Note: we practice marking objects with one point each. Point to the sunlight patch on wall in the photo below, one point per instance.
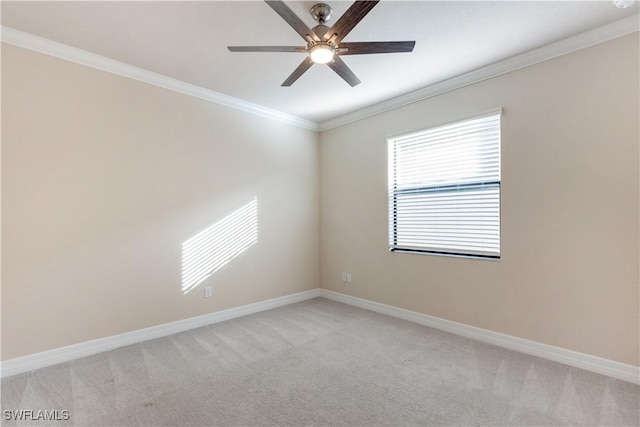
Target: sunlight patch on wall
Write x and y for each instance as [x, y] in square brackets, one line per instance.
[214, 247]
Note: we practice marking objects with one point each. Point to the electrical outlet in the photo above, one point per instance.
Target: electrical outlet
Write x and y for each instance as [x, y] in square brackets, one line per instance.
[208, 292]
[348, 277]
[344, 276]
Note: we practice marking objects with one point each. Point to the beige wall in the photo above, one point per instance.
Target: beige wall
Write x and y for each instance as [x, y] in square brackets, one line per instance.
[103, 178]
[568, 275]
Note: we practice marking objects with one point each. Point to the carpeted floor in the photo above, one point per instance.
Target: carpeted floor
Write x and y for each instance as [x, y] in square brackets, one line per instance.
[319, 363]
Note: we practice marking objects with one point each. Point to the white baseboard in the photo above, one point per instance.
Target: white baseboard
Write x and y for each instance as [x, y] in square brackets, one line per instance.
[584, 361]
[64, 354]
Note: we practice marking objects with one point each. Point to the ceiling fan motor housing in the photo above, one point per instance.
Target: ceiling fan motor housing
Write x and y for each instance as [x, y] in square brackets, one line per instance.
[320, 30]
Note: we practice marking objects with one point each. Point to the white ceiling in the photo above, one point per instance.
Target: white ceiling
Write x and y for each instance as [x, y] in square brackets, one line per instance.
[187, 41]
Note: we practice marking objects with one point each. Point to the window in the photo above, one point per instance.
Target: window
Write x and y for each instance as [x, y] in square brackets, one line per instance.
[444, 189]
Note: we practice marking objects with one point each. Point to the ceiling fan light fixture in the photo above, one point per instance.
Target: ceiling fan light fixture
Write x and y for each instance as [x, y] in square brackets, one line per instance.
[321, 53]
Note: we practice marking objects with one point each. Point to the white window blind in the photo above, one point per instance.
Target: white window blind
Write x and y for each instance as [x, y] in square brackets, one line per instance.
[444, 189]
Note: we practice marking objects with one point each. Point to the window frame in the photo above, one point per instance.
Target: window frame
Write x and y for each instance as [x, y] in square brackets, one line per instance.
[455, 188]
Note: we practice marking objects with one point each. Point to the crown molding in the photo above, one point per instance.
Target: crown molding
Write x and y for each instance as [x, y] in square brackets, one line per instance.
[602, 34]
[589, 38]
[88, 59]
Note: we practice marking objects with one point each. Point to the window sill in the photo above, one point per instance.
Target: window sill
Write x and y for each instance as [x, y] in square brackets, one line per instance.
[447, 254]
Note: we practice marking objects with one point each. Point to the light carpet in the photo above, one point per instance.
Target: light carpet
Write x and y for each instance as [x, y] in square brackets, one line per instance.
[319, 362]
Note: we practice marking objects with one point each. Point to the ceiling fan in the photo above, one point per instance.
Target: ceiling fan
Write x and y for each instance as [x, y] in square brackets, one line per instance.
[324, 44]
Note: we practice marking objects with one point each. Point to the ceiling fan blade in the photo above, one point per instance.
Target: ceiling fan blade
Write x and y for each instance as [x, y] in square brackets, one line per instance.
[304, 66]
[343, 71]
[350, 19]
[362, 48]
[301, 49]
[292, 19]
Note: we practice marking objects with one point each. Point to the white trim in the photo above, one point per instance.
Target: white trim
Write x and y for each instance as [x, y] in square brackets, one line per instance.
[589, 38]
[602, 34]
[584, 361]
[576, 359]
[64, 354]
[88, 59]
